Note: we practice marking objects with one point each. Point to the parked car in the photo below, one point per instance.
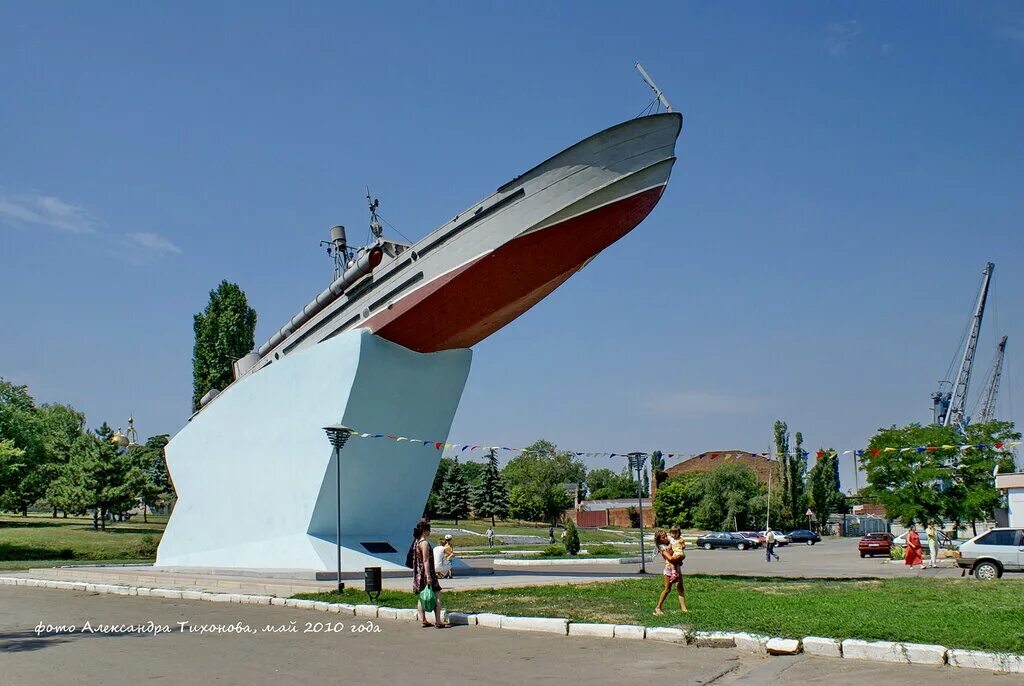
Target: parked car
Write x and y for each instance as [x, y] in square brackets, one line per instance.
[992, 553]
[944, 541]
[875, 544]
[722, 539]
[804, 536]
[780, 538]
[756, 539]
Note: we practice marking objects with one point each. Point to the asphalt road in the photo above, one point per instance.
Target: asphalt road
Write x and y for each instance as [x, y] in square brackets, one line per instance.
[400, 652]
[832, 558]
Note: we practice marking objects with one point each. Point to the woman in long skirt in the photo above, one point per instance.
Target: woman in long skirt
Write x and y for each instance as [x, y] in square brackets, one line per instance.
[913, 554]
[423, 574]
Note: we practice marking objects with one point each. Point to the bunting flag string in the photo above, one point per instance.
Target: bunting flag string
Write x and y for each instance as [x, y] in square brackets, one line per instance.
[820, 454]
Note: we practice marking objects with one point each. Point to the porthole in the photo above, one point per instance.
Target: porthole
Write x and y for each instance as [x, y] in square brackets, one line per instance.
[414, 255]
[366, 312]
[277, 356]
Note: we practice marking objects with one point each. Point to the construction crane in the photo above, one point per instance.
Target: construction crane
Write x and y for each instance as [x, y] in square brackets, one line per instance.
[988, 404]
[950, 401]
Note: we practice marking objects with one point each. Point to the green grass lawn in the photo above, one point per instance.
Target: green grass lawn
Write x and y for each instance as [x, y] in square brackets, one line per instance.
[957, 613]
[40, 538]
[513, 529]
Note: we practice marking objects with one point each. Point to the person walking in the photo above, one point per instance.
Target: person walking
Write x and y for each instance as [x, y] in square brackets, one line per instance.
[490, 537]
[673, 572]
[913, 553]
[551, 534]
[933, 543]
[769, 546]
[423, 574]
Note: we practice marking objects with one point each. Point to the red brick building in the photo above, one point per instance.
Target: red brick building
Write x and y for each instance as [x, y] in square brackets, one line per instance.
[612, 512]
[705, 462]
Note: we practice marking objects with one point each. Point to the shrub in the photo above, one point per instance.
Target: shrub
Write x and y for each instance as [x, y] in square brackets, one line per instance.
[147, 546]
[552, 551]
[634, 517]
[604, 551]
[897, 552]
[66, 554]
[572, 538]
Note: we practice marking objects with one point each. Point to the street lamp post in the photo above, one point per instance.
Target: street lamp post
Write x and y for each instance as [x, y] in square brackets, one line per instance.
[636, 461]
[338, 434]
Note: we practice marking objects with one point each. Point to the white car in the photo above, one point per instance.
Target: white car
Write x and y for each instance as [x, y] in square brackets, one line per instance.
[990, 554]
[780, 538]
[944, 541]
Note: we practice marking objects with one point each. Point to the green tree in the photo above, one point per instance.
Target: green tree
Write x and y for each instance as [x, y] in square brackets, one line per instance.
[676, 500]
[61, 426]
[20, 423]
[542, 472]
[453, 499]
[781, 431]
[658, 474]
[604, 484]
[730, 498]
[825, 496]
[109, 478]
[223, 333]
[473, 471]
[525, 504]
[909, 480]
[572, 538]
[797, 496]
[973, 488]
[10, 460]
[151, 460]
[490, 496]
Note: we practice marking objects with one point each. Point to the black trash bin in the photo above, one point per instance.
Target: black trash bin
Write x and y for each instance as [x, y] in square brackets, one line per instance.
[371, 582]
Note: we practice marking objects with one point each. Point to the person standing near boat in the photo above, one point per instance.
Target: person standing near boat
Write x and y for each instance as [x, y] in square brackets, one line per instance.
[423, 574]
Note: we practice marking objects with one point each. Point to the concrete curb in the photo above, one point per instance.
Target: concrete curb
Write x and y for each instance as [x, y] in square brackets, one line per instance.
[851, 648]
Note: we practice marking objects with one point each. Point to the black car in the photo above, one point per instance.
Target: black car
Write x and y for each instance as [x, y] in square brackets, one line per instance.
[722, 539]
[804, 536]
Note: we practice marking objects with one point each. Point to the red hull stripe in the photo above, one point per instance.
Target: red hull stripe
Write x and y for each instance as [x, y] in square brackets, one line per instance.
[468, 304]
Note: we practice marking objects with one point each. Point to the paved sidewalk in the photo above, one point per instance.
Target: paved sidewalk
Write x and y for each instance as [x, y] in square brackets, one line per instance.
[400, 652]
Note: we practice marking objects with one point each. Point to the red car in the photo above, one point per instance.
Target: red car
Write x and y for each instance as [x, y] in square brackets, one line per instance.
[875, 544]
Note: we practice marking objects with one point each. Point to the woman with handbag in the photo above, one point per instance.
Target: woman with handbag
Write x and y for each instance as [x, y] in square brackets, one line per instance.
[424, 578]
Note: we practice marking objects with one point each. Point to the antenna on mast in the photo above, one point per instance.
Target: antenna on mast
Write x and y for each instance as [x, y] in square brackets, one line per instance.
[376, 228]
[654, 86]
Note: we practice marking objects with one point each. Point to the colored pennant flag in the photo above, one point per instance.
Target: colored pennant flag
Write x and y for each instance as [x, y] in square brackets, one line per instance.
[438, 446]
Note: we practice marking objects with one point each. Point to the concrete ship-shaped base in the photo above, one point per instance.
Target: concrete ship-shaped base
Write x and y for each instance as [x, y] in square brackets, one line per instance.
[254, 471]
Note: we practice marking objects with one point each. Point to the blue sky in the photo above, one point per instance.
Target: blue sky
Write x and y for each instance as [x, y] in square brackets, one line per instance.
[845, 170]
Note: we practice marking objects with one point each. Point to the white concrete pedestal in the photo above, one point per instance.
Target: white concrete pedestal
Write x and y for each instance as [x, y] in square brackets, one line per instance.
[254, 470]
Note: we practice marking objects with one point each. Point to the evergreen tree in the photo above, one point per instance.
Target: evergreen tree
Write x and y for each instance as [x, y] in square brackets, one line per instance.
[658, 474]
[797, 488]
[223, 333]
[782, 453]
[157, 487]
[105, 478]
[490, 497]
[454, 496]
[824, 494]
[572, 538]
